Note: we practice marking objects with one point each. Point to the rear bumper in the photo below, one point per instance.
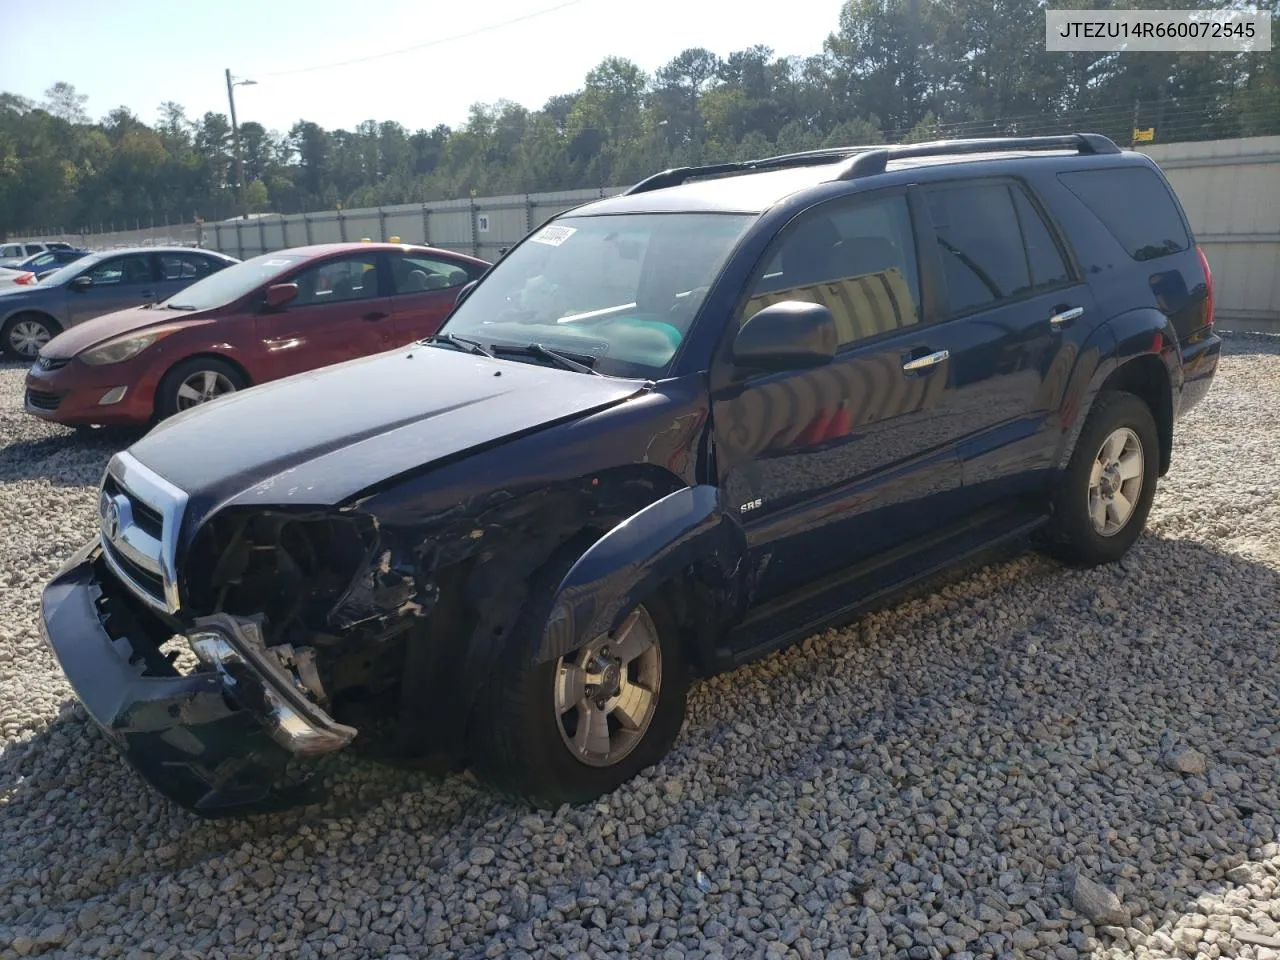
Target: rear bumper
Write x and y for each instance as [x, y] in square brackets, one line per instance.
[1200, 355]
[216, 741]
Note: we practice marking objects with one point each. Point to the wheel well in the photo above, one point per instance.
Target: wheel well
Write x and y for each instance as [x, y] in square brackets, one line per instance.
[1147, 379]
[40, 314]
[211, 356]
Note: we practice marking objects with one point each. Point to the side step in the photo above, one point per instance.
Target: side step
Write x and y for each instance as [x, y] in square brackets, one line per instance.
[838, 597]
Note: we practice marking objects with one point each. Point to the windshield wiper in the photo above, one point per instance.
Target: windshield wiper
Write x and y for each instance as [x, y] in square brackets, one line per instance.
[546, 353]
[461, 343]
[179, 306]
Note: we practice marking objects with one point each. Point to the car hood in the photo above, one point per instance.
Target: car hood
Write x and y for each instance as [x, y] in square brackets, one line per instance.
[322, 437]
[82, 336]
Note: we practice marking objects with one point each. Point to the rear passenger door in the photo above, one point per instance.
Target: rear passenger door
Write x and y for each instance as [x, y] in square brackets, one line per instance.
[422, 294]
[1019, 312]
[179, 270]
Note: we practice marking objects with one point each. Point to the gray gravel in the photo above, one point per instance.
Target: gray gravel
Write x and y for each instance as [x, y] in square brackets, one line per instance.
[1031, 762]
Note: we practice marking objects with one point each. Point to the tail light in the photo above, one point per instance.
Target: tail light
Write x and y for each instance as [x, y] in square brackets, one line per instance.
[25, 278]
[1208, 285]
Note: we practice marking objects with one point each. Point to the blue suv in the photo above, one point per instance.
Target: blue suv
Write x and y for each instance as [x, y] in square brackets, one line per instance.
[668, 432]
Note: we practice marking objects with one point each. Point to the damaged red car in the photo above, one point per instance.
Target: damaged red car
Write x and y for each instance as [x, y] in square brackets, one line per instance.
[269, 317]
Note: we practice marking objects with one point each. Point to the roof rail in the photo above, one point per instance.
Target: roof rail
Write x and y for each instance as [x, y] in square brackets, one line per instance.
[870, 159]
[807, 158]
[870, 162]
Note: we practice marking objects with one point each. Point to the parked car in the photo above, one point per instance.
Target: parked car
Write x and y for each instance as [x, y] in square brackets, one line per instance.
[37, 267]
[670, 431]
[11, 254]
[30, 316]
[269, 317]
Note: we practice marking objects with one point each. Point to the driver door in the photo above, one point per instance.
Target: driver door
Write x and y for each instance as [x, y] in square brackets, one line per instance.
[118, 282]
[339, 314]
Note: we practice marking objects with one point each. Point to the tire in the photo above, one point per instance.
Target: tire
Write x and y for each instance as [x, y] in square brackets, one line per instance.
[1117, 422]
[27, 332]
[519, 739]
[173, 394]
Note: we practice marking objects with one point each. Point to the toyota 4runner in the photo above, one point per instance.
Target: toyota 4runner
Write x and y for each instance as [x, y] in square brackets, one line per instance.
[667, 433]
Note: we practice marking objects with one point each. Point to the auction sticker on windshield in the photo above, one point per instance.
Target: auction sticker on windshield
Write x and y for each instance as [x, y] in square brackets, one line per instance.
[553, 235]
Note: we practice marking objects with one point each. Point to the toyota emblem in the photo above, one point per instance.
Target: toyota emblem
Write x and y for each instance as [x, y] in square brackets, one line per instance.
[110, 517]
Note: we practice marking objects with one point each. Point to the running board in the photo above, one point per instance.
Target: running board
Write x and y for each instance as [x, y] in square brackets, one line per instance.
[837, 597]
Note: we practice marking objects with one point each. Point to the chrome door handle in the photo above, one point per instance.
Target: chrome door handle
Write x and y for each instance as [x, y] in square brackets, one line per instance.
[1066, 317]
[923, 363]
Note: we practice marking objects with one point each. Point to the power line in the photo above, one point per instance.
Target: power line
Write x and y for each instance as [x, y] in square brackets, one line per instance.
[422, 46]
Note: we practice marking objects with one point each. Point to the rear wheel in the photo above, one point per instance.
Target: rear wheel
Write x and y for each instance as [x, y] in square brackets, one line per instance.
[25, 334]
[579, 726]
[194, 382]
[1105, 494]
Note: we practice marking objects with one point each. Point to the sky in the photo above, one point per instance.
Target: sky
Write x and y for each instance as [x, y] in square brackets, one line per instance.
[139, 53]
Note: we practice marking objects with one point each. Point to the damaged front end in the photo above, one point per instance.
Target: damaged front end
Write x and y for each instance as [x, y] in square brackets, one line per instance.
[220, 738]
[224, 691]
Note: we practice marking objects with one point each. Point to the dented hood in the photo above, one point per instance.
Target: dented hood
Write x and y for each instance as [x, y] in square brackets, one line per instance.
[319, 438]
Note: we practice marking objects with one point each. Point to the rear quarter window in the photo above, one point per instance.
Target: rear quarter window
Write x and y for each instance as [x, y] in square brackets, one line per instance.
[1135, 206]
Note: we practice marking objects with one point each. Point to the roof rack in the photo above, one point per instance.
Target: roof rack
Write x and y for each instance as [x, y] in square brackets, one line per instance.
[862, 161]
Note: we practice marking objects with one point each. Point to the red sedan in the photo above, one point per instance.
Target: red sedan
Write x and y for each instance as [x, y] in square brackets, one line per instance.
[269, 317]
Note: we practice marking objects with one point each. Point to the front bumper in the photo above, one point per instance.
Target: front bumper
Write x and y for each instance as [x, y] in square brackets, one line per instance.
[226, 739]
[70, 394]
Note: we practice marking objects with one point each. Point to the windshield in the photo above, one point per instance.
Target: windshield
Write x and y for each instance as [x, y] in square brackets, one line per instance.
[617, 291]
[233, 282]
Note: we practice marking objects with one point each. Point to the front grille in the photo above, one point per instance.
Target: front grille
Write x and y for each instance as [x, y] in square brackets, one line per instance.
[44, 399]
[140, 513]
[145, 516]
[52, 363]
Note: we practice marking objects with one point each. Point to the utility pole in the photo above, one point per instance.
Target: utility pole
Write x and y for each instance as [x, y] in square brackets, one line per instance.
[235, 138]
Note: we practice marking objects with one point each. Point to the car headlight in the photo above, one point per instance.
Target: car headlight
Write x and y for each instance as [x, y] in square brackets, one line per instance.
[122, 348]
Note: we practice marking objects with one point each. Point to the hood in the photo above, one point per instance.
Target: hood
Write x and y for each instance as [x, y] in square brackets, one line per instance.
[82, 336]
[319, 438]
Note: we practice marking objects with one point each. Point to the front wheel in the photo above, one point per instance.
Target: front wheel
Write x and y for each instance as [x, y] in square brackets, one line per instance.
[1104, 496]
[194, 382]
[25, 334]
[575, 728]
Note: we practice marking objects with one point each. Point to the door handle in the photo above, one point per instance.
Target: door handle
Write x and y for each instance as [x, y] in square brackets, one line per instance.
[374, 315]
[1066, 317]
[925, 362]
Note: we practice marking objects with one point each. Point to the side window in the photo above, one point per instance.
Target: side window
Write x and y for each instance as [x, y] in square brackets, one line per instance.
[412, 274]
[178, 266]
[979, 243]
[857, 259]
[337, 281]
[34, 248]
[11, 250]
[1135, 206]
[1048, 269]
[121, 271]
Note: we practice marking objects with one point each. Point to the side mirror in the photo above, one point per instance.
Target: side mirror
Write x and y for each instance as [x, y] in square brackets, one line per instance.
[279, 294]
[82, 282]
[791, 335]
[464, 292]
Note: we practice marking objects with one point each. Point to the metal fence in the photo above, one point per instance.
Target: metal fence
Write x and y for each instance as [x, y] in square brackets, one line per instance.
[481, 226]
[1230, 188]
[1231, 192]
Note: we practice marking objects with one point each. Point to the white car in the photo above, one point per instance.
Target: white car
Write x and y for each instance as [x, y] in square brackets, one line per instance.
[12, 254]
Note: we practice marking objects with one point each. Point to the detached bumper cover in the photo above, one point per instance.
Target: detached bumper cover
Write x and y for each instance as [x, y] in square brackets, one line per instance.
[211, 740]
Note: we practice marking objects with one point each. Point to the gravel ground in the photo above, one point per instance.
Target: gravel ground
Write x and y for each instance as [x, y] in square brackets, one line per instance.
[1031, 762]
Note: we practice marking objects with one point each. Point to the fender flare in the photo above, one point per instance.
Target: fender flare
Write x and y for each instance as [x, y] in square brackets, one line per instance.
[1118, 341]
[649, 548]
